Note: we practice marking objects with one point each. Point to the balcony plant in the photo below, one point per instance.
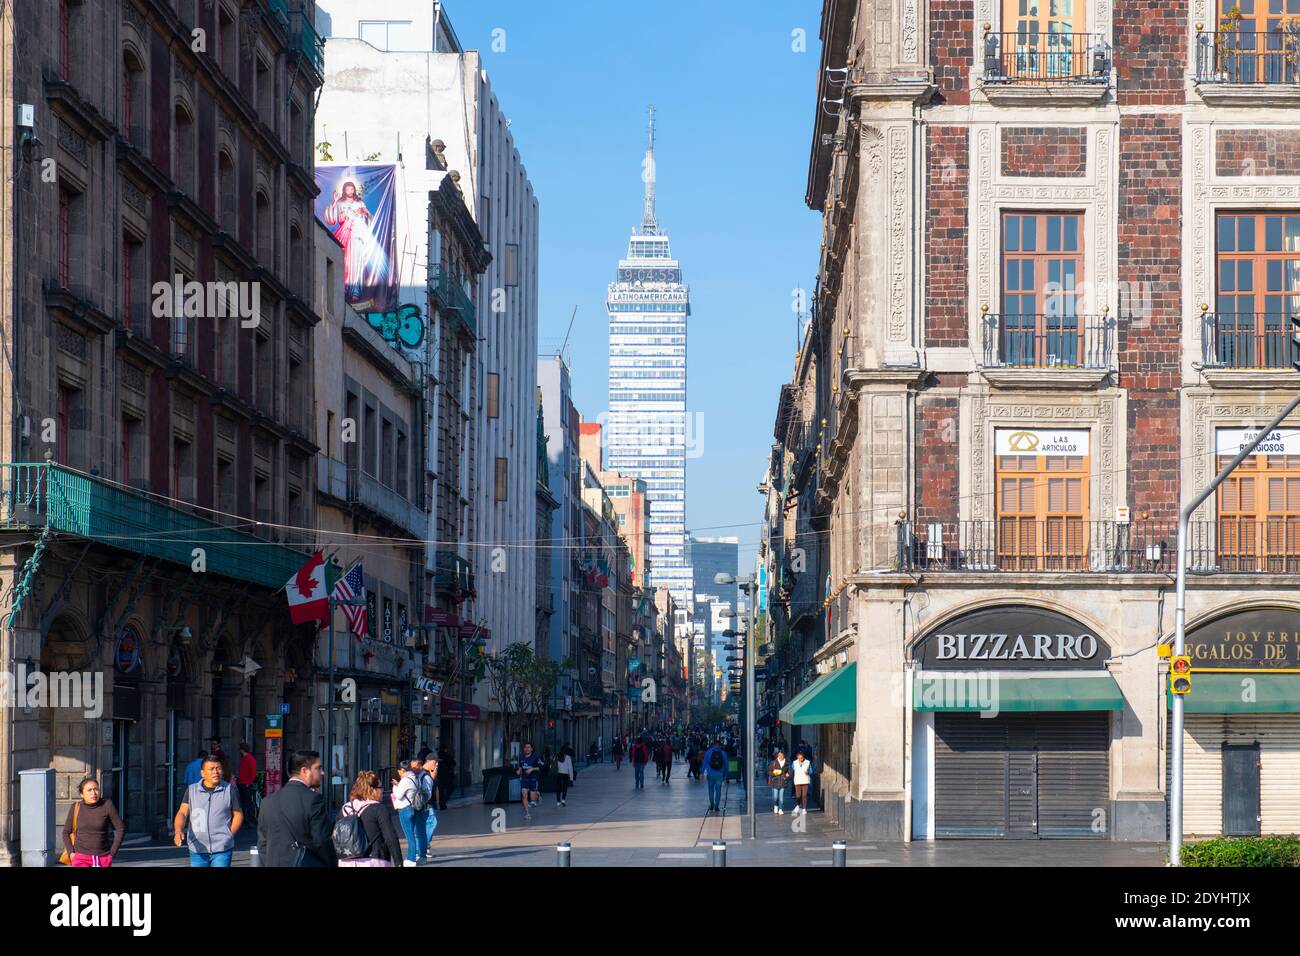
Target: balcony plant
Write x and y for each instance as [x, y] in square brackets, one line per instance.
[1227, 42]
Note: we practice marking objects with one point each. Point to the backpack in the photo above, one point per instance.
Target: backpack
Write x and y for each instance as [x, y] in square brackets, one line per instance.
[716, 760]
[420, 799]
[349, 836]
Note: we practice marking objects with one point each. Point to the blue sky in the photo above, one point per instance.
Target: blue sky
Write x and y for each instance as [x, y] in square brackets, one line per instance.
[734, 109]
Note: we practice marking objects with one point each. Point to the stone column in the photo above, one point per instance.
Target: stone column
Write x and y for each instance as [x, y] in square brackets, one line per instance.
[879, 784]
[1137, 810]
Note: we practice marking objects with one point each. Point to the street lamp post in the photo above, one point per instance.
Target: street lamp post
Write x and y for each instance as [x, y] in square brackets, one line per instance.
[747, 585]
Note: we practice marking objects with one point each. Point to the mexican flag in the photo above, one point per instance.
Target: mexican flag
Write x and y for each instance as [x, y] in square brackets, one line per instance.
[308, 590]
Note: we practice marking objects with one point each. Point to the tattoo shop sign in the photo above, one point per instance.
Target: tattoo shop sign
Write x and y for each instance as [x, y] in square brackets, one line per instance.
[1013, 637]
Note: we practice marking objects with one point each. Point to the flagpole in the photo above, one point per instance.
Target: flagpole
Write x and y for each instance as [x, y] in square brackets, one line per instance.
[329, 720]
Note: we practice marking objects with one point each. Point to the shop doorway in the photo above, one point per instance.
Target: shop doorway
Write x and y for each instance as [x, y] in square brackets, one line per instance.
[1241, 816]
[1021, 775]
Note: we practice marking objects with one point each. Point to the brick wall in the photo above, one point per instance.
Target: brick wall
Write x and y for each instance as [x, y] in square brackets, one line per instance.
[951, 53]
[937, 462]
[1150, 52]
[1056, 152]
[947, 178]
[1257, 152]
[1150, 256]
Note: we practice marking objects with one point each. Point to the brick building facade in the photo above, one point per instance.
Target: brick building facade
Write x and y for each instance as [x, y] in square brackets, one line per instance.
[1057, 264]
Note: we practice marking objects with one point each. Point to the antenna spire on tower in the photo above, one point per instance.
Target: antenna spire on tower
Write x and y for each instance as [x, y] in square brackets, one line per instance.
[649, 225]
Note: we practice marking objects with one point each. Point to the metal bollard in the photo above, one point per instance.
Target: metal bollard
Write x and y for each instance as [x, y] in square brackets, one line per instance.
[563, 854]
[719, 853]
[839, 853]
[254, 857]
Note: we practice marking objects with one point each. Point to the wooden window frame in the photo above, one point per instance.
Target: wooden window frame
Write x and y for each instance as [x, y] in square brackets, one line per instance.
[502, 480]
[1256, 534]
[493, 395]
[1044, 538]
[1257, 336]
[1040, 323]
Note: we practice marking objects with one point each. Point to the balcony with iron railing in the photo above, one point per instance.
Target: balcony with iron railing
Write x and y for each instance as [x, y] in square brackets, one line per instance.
[1243, 342]
[39, 495]
[1065, 67]
[453, 575]
[1236, 64]
[451, 299]
[379, 499]
[308, 42]
[1067, 545]
[1055, 342]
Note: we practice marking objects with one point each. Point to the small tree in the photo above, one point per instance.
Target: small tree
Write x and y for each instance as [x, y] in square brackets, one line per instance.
[522, 682]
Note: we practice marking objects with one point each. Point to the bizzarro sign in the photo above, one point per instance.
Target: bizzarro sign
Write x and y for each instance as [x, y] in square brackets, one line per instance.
[1014, 637]
[1266, 638]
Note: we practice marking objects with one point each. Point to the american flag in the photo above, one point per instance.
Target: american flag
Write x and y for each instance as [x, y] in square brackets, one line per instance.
[351, 586]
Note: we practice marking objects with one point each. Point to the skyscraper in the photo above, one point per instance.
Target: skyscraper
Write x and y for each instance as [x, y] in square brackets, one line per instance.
[648, 306]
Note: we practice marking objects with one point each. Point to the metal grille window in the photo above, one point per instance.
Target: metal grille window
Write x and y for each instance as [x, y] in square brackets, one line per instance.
[1042, 505]
[1259, 514]
[1258, 287]
[1042, 255]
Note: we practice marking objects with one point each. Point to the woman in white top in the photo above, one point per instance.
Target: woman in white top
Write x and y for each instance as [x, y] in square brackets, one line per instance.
[802, 777]
[413, 823]
[564, 777]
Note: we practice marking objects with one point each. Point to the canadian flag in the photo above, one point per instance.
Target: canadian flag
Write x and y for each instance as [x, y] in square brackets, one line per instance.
[308, 591]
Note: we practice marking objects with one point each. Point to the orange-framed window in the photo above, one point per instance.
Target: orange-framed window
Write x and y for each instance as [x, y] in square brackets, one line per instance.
[1259, 514]
[1257, 287]
[1042, 507]
[1042, 276]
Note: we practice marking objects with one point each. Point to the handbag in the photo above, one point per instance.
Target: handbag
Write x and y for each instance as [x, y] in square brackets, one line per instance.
[65, 857]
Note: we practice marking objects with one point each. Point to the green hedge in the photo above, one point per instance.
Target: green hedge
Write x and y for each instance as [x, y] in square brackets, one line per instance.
[1244, 851]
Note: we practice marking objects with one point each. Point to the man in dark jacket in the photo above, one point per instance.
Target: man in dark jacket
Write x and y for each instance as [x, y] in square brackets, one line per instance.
[640, 756]
[296, 813]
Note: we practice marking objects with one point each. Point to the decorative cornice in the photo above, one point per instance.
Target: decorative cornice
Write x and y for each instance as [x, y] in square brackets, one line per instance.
[1050, 379]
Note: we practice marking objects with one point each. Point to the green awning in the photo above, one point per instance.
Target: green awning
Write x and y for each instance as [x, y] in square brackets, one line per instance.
[977, 692]
[1254, 693]
[830, 699]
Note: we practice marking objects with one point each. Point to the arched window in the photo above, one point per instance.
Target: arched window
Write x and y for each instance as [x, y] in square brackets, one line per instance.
[227, 204]
[184, 157]
[135, 108]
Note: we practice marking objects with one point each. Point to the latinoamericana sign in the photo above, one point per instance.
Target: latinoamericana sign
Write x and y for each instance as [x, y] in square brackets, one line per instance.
[1014, 637]
[1257, 639]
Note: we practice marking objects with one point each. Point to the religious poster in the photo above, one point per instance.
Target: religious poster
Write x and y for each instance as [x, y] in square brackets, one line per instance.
[357, 203]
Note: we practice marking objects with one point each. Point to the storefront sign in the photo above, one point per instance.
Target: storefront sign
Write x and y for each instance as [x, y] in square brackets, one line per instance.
[1030, 441]
[1015, 637]
[1256, 639]
[126, 656]
[437, 616]
[454, 709]
[1280, 441]
[427, 684]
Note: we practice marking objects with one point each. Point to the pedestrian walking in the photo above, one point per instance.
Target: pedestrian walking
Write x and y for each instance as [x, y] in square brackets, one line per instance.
[564, 777]
[778, 778]
[411, 801]
[429, 782]
[194, 769]
[640, 756]
[294, 828]
[382, 847]
[86, 841]
[209, 817]
[656, 748]
[802, 777]
[618, 755]
[530, 780]
[692, 761]
[714, 762]
[666, 758]
[245, 778]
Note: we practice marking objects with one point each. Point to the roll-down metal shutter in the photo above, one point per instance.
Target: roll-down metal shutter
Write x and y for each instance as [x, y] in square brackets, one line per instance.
[1021, 775]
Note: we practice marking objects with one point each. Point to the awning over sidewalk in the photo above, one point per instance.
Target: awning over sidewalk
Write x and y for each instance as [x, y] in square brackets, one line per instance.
[983, 691]
[1238, 693]
[830, 699]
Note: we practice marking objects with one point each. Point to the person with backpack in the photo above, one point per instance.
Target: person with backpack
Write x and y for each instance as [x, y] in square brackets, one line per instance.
[209, 817]
[656, 750]
[778, 778]
[640, 756]
[715, 772]
[364, 834]
[666, 758]
[618, 754]
[530, 779]
[429, 781]
[412, 804]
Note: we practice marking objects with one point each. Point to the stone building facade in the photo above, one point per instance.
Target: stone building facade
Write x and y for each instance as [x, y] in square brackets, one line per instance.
[1053, 297]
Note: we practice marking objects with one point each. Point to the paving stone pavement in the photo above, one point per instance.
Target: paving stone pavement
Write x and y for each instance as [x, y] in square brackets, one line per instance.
[609, 823]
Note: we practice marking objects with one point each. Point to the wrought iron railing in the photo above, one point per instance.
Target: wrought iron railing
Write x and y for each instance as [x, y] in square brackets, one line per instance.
[452, 298]
[1253, 340]
[310, 43]
[1032, 57]
[39, 494]
[1270, 58]
[1048, 341]
[453, 574]
[1229, 545]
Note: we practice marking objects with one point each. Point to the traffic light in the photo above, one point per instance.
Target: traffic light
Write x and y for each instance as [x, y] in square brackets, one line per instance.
[1180, 674]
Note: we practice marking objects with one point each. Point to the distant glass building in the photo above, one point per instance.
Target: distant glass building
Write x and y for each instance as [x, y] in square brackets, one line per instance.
[710, 557]
[646, 434]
